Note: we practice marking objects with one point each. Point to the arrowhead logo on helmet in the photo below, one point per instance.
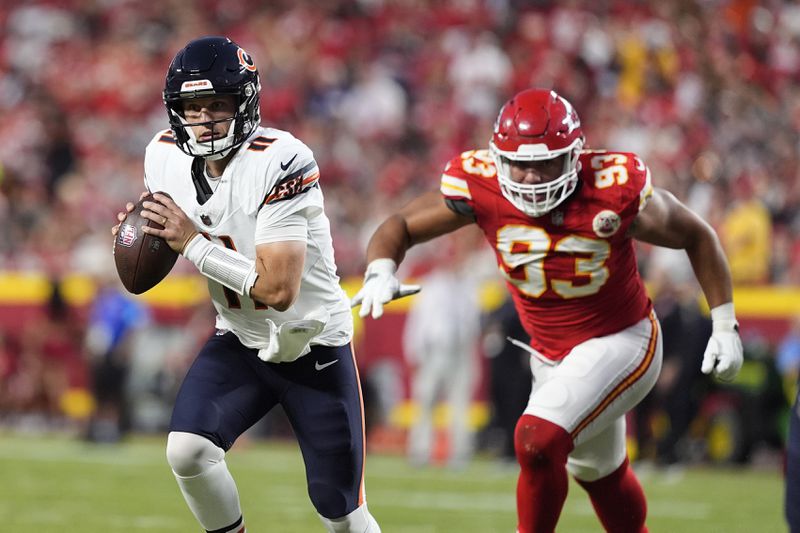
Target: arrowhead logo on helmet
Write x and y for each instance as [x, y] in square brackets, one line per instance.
[571, 120]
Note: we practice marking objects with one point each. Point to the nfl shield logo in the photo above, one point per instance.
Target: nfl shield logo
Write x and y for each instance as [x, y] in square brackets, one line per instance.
[127, 235]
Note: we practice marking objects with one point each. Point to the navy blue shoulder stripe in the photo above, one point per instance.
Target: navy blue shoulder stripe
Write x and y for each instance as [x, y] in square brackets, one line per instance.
[261, 143]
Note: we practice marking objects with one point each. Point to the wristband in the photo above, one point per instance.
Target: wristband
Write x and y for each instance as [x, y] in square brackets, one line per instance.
[723, 318]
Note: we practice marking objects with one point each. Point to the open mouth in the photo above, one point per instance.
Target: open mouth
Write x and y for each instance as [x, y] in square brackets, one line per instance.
[209, 136]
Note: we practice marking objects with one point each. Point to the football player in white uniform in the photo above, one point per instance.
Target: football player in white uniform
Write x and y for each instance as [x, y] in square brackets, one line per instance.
[243, 203]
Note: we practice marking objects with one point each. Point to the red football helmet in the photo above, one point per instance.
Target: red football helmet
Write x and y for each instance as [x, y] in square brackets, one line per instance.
[537, 124]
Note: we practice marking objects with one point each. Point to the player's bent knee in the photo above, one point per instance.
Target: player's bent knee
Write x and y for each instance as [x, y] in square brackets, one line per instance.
[190, 455]
[539, 443]
[358, 521]
[328, 499]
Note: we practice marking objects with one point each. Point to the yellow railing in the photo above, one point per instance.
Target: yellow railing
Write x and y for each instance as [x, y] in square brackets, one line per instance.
[21, 288]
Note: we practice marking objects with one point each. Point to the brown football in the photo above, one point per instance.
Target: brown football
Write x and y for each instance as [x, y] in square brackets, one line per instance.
[142, 260]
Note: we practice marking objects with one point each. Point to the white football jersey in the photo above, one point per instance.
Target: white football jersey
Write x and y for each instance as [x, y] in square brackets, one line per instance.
[275, 171]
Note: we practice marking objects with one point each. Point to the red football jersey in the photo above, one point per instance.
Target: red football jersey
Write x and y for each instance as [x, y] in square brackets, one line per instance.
[572, 272]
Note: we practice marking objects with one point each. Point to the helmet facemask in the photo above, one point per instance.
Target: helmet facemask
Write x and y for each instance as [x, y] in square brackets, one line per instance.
[537, 125]
[537, 199]
[242, 123]
[212, 149]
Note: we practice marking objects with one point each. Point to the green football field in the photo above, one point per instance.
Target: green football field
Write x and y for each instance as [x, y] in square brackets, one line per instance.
[59, 485]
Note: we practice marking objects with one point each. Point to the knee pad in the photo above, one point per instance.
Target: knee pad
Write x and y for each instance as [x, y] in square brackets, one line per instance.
[358, 521]
[539, 443]
[190, 455]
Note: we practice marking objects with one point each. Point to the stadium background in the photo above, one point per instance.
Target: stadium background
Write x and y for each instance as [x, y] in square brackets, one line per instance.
[384, 92]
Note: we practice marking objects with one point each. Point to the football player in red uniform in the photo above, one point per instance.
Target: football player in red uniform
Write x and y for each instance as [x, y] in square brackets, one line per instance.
[562, 221]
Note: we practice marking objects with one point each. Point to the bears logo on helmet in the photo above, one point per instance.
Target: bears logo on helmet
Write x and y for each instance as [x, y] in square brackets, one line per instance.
[245, 60]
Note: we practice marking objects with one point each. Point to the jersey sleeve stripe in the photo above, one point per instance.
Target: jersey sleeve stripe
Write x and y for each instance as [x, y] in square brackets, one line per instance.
[295, 183]
[455, 187]
[647, 190]
[307, 170]
[311, 179]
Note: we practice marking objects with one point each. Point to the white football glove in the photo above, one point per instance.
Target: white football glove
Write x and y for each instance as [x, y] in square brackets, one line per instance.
[380, 287]
[723, 354]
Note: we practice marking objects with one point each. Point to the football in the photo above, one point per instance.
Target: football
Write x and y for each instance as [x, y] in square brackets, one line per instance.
[142, 260]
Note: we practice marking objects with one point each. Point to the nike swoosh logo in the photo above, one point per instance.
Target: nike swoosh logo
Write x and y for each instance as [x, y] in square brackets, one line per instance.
[285, 166]
[324, 365]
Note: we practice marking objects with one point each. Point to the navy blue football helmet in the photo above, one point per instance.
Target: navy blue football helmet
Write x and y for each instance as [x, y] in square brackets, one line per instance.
[212, 66]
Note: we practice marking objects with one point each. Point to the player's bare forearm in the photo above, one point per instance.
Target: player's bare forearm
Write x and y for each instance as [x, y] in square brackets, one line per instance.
[665, 221]
[424, 218]
[391, 240]
[279, 266]
[711, 267]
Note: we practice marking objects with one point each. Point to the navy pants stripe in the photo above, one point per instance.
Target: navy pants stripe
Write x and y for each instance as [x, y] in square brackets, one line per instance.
[228, 389]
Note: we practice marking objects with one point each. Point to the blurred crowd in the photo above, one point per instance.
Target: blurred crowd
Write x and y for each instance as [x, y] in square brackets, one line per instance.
[386, 91]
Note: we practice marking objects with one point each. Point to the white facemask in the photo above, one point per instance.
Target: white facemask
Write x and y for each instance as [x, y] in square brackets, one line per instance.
[536, 199]
[222, 147]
